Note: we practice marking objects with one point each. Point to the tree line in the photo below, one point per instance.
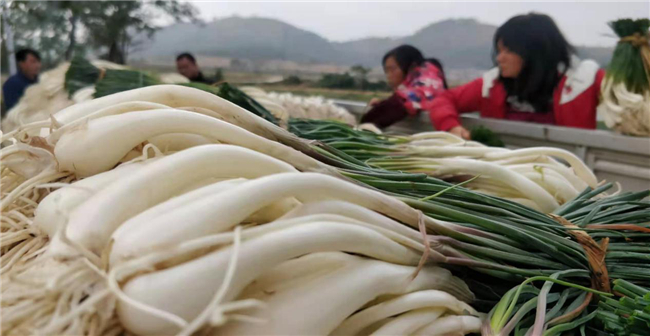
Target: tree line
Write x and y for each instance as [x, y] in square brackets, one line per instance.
[108, 29]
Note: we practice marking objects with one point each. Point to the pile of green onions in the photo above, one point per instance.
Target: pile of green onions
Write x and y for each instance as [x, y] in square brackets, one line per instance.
[500, 248]
[498, 244]
[625, 90]
[630, 315]
[509, 243]
[82, 74]
[532, 176]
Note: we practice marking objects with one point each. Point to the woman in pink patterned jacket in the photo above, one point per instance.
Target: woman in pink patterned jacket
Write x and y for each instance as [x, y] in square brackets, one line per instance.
[416, 82]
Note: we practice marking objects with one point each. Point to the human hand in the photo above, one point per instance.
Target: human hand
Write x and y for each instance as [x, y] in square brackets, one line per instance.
[460, 131]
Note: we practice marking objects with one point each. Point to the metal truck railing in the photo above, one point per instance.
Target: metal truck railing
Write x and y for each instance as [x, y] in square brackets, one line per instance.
[612, 157]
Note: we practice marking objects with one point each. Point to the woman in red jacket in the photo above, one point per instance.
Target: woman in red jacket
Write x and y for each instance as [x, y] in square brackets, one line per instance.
[536, 80]
[416, 82]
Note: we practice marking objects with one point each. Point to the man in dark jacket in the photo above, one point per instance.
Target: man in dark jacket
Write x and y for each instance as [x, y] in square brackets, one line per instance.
[29, 66]
[186, 66]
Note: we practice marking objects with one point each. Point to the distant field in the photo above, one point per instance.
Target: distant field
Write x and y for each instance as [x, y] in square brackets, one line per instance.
[268, 81]
[258, 79]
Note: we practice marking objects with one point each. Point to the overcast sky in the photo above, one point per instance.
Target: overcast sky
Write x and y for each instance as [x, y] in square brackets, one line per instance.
[584, 23]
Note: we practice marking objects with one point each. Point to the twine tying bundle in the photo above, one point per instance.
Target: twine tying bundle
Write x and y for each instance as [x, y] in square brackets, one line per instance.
[595, 254]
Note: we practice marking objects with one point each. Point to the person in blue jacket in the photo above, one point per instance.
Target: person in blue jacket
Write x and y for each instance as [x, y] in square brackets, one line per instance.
[29, 66]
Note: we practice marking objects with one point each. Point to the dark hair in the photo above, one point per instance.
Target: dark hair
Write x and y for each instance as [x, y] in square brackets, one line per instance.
[186, 55]
[22, 54]
[408, 56]
[543, 48]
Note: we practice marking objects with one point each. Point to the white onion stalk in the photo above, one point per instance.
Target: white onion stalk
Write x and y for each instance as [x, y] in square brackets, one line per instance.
[285, 105]
[436, 135]
[468, 143]
[432, 143]
[222, 212]
[103, 142]
[335, 294]
[22, 131]
[295, 272]
[54, 210]
[67, 122]
[563, 171]
[352, 211]
[451, 325]
[445, 143]
[408, 323]
[131, 106]
[92, 223]
[277, 225]
[626, 98]
[177, 202]
[178, 96]
[204, 111]
[167, 289]
[176, 142]
[376, 326]
[528, 159]
[265, 214]
[447, 166]
[496, 186]
[27, 160]
[578, 166]
[435, 152]
[556, 185]
[418, 300]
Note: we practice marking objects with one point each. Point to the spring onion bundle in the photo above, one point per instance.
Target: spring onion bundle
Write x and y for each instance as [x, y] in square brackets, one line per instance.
[486, 136]
[255, 200]
[536, 310]
[212, 271]
[44, 98]
[630, 315]
[626, 87]
[82, 73]
[241, 99]
[528, 176]
[287, 105]
[71, 83]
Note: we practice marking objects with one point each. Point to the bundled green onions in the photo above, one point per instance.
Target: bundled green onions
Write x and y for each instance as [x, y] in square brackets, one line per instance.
[527, 176]
[501, 248]
[508, 253]
[626, 88]
[501, 240]
[630, 315]
[82, 74]
[630, 61]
